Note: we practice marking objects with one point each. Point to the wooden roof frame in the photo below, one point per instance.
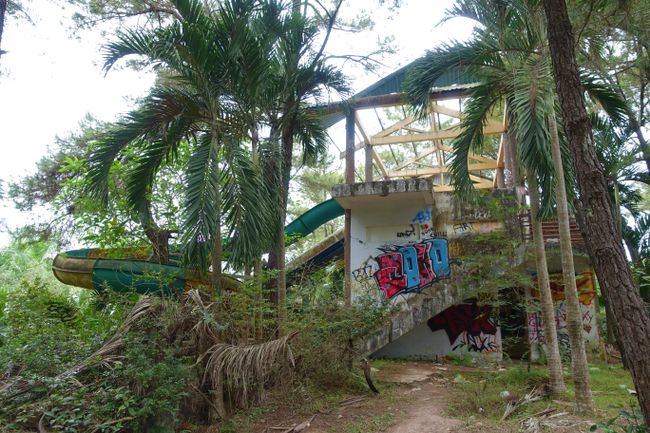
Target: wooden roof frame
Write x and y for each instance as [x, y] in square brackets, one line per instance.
[433, 142]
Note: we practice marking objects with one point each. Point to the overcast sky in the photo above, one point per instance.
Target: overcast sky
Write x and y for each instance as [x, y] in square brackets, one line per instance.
[49, 80]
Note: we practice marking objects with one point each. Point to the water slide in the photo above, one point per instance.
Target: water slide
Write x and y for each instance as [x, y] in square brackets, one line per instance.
[133, 270]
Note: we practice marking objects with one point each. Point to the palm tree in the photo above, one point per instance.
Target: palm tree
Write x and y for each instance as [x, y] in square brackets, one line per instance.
[631, 322]
[300, 75]
[500, 56]
[508, 55]
[192, 104]
[546, 302]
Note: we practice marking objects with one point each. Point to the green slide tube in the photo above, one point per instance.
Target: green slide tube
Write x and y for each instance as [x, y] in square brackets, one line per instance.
[99, 270]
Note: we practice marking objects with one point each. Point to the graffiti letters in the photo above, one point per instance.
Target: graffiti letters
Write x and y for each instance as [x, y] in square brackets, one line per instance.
[586, 296]
[476, 214]
[468, 326]
[363, 274]
[462, 228]
[408, 233]
[411, 268]
[423, 216]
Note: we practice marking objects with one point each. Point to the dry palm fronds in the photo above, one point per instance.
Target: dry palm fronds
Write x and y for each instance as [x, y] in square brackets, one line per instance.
[110, 351]
[225, 373]
[245, 370]
[512, 404]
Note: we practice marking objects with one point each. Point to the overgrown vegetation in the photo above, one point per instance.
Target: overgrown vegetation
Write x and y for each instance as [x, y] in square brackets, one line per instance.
[108, 363]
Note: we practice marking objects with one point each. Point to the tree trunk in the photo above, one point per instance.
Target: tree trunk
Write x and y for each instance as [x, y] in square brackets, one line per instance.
[259, 311]
[546, 300]
[580, 367]
[3, 11]
[217, 246]
[512, 174]
[280, 248]
[595, 218]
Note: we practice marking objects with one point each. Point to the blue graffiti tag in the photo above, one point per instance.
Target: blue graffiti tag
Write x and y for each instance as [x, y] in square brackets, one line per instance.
[423, 216]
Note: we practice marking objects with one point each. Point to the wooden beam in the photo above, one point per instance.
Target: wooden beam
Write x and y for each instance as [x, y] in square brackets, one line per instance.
[440, 170]
[367, 150]
[360, 145]
[393, 128]
[490, 128]
[417, 158]
[471, 155]
[446, 111]
[450, 188]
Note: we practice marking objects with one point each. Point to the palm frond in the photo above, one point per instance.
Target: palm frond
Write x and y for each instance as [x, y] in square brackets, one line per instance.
[609, 100]
[462, 57]
[246, 206]
[530, 104]
[201, 208]
[141, 177]
[471, 139]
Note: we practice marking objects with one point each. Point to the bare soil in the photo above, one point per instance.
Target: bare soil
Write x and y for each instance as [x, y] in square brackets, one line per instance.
[412, 399]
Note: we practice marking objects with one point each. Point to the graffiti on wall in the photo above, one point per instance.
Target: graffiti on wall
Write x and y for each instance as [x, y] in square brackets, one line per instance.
[586, 295]
[411, 268]
[415, 260]
[468, 326]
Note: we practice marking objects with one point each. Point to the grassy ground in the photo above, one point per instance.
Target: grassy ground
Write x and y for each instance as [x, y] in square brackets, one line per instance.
[290, 405]
[472, 394]
[478, 391]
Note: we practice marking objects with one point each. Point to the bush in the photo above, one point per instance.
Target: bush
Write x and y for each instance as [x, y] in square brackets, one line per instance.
[44, 330]
[125, 395]
[328, 331]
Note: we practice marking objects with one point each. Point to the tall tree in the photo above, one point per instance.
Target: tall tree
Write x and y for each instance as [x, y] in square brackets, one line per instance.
[580, 367]
[597, 222]
[504, 57]
[508, 55]
[546, 298]
[199, 55]
[302, 75]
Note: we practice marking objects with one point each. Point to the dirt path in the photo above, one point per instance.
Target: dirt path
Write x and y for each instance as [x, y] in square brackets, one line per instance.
[413, 400]
[425, 405]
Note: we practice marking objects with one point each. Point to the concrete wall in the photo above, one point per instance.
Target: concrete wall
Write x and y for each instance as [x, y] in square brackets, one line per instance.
[400, 248]
[405, 248]
[586, 285]
[406, 243]
[459, 330]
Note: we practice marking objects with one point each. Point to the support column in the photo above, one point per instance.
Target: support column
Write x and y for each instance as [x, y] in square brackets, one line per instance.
[347, 250]
[349, 148]
[349, 179]
[368, 163]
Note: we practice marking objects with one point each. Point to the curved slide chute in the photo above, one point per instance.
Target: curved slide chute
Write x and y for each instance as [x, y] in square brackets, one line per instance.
[99, 269]
[313, 218]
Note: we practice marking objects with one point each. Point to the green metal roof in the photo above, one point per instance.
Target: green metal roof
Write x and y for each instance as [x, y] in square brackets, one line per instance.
[394, 82]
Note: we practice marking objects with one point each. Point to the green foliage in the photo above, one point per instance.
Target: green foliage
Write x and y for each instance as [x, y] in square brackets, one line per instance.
[628, 420]
[48, 333]
[488, 257]
[73, 216]
[327, 331]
